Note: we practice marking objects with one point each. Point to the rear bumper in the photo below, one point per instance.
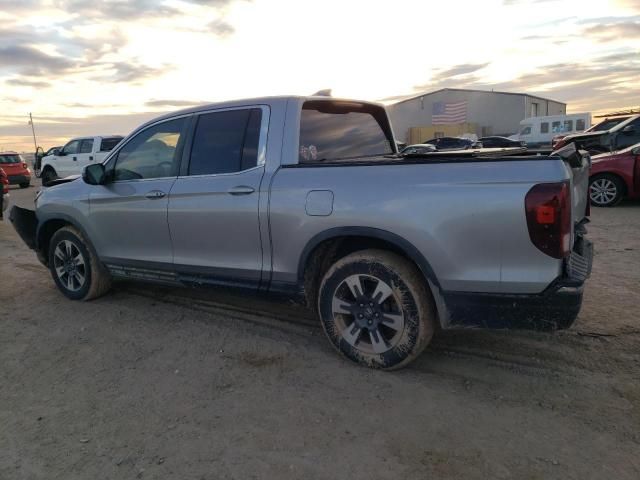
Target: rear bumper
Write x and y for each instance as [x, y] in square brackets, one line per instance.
[18, 179]
[555, 308]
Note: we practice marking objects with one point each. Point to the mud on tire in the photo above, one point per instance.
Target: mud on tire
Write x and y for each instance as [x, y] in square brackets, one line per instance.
[75, 267]
[376, 309]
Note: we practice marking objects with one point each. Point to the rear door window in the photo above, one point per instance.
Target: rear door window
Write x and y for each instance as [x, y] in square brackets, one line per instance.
[86, 146]
[580, 124]
[107, 144]
[544, 127]
[331, 131]
[225, 142]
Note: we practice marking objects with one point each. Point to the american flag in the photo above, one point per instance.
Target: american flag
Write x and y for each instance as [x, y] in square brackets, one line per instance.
[444, 113]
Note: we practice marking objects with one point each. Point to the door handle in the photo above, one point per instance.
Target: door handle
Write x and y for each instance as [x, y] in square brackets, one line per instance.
[241, 190]
[153, 194]
[90, 158]
[75, 159]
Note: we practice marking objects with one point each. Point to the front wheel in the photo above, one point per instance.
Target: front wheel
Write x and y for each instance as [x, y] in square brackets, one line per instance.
[376, 309]
[605, 190]
[48, 176]
[74, 266]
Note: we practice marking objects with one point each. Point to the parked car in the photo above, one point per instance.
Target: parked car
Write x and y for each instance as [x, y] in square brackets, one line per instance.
[538, 132]
[16, 169]
[4, 194]
[615, 176]
[418, 149]
[618, 136]
[501, 142]
[384, 248]
[605, 125]
[452, 143]
[75, 155]
[40, 154]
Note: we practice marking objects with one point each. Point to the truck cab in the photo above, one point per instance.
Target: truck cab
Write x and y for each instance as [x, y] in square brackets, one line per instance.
[77, 154]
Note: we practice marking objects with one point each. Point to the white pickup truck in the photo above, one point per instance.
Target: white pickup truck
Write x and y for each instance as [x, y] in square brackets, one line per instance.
[77, 154]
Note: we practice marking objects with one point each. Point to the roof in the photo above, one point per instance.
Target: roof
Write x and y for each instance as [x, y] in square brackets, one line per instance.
[424, 94]
[250, 101]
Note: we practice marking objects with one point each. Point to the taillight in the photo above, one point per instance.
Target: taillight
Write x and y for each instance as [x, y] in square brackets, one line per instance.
[548, 210]
[24, 165]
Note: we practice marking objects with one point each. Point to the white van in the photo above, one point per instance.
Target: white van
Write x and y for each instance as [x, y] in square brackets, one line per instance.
[538, 131]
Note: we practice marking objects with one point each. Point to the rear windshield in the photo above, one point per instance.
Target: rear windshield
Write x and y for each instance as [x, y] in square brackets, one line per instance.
[331, 131]
[10, 159]
[607, 124]
[107, 144]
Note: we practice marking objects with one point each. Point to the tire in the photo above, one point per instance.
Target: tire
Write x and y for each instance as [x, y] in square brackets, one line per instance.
[386, 335]
[48, 175]
[84, 279]
[606, 190]
[25, 185]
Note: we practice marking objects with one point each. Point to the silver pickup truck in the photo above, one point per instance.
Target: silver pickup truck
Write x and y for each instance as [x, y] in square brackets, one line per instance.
[308, 196]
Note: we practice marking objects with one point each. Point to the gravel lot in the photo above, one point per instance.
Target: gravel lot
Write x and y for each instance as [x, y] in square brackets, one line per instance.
[181, 384]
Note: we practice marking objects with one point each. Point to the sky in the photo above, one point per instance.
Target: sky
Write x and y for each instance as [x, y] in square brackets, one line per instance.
[87, 67]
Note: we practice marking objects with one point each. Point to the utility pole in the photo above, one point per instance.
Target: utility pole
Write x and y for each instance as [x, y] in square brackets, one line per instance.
[33, 131]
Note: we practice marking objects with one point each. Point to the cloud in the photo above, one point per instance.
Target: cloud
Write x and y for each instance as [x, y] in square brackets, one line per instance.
[463, 69]
[221, 28]
[129, 72]
[116, 10]
[33, 61]
[524, 2]
[24, 82]
[616, 31]
[172, 103]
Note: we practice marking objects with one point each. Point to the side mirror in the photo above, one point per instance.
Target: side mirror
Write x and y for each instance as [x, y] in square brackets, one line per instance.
[94, 174]
[629, 129]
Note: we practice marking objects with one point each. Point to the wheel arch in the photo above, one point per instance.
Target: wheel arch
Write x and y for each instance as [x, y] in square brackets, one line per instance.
[48, 226]
[328, 246]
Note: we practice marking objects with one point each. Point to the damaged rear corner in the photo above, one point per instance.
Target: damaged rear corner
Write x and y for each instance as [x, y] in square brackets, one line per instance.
[25, 222]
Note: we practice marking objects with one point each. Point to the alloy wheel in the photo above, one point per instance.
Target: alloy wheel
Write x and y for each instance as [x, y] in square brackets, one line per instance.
[70, 265]
[603, 191]
[368, 314]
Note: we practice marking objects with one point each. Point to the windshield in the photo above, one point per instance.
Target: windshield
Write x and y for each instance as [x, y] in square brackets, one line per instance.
[526, 130]
[10, 159]
[608, 124]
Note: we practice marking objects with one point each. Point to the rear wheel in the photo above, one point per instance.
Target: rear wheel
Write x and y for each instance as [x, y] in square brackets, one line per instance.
[605, 190]
[376, 309]
[74, 266]
[48, 175]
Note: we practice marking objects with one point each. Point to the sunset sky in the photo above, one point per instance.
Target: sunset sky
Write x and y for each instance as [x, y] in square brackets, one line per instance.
[101, 67]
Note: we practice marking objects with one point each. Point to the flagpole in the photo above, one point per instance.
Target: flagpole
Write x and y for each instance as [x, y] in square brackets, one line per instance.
[33, 131]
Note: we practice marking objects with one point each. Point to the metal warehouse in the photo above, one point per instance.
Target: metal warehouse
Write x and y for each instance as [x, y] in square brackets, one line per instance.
[453, 111]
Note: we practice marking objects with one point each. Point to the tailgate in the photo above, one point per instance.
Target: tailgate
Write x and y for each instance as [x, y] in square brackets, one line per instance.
[579, 163]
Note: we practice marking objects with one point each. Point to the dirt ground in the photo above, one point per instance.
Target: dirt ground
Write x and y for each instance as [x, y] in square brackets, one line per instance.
[180, 384]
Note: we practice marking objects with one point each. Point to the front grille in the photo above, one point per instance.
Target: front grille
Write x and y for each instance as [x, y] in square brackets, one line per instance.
[580, 260]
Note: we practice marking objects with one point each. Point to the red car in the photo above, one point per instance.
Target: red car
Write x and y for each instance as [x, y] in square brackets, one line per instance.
[4, 192]
[15, 168]
[615, 176]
